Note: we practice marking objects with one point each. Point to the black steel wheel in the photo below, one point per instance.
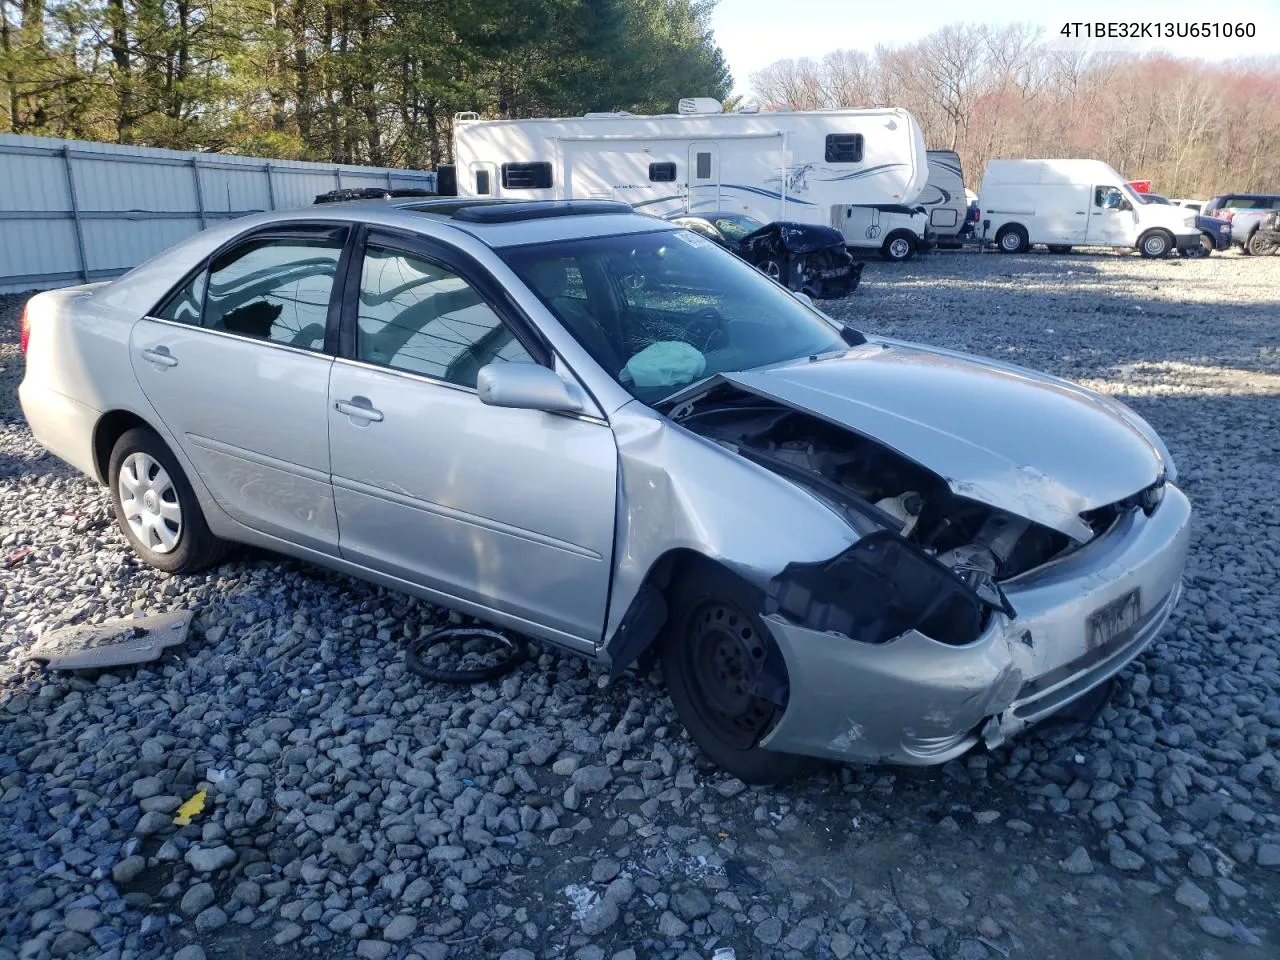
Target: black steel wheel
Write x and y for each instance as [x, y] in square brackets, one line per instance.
[712, 654]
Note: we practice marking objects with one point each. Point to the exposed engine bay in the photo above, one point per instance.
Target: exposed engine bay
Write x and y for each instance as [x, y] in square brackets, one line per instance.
[881, 493]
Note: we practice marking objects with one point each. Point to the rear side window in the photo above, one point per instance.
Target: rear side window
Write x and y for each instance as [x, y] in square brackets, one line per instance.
[662, 172]
[275, 289]
[526, 176]
[844, 148]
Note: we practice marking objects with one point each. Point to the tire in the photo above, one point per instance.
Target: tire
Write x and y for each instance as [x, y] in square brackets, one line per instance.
[898, 247]
[1208, 244]
[1012, 239]
[1259, 246]
[1059, 248]
[710, 627]
[1155, 244]
[156, 508]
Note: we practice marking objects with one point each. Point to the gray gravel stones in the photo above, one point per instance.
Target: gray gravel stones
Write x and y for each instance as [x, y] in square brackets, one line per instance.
[365, 813]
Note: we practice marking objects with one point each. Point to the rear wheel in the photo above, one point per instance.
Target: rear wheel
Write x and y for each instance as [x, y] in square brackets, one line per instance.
[1155, 244]
[714, 649]
[1012, 239]
[898, 246]
[1260, 245]
[156, 508]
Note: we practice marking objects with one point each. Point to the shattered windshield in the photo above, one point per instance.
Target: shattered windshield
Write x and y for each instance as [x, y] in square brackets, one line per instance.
[662, 310]
[737, 226]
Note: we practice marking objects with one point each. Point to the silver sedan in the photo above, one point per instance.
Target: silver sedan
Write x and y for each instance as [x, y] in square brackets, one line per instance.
[605, 433]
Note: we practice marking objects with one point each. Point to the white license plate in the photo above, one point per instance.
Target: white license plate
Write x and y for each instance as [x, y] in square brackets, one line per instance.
[1112, 621]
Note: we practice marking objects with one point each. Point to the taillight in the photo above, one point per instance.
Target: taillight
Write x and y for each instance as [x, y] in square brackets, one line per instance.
[24, 325]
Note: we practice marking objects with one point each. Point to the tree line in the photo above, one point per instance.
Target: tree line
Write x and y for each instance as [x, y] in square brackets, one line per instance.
[349, 81]
[1194, 129]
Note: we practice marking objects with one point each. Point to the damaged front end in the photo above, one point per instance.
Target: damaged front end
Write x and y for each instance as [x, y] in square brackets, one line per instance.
[938, 627]
[803, 257]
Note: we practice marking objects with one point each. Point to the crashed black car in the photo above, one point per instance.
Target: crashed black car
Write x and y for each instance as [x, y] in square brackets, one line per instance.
[802, 257]
[1266, 239]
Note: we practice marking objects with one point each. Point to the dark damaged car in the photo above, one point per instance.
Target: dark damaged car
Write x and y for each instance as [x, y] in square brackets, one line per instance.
[571, 421]
[803, 257]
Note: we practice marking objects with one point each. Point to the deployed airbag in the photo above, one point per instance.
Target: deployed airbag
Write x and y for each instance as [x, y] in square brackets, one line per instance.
[667, 363]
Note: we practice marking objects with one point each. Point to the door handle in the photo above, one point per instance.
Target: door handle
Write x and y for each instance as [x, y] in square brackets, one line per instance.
[160, 356]
[358, 407]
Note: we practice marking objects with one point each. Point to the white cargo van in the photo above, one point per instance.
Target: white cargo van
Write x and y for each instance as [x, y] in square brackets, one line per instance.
[1077, 203]
[898, 230]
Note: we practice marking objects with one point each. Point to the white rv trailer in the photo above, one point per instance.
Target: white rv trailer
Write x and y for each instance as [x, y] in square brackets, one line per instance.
[801, 166]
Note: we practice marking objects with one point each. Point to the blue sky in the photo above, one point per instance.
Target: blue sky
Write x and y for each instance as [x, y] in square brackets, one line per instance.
[754, 33]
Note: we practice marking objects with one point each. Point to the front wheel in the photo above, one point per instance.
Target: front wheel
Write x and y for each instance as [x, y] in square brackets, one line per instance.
[898, 247]
[714, 654]
[1155, 244]
[1208, 244]
[156, 508]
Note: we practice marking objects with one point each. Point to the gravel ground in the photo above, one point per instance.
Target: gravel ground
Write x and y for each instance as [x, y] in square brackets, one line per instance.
[354, 811]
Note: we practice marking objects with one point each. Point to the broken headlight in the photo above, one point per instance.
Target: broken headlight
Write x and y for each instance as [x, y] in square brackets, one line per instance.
[880, 588]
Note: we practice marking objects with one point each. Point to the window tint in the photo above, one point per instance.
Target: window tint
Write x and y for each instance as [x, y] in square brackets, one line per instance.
[844, 148]
[184, 306]
[704, 166]
[274, 289]
[526, 176]
[482, 183]
[662, 172]
[417, 316]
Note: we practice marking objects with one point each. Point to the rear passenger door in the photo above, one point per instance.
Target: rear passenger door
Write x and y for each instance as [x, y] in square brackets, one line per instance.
[510, 510]
[235, 365]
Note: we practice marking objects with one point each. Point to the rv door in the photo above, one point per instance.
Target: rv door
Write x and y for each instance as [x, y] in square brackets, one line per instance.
[704, 176]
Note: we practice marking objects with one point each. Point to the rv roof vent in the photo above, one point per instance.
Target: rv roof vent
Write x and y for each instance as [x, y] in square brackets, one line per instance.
[466, 115]
[749, 108]
[606, 115]
[693, 105]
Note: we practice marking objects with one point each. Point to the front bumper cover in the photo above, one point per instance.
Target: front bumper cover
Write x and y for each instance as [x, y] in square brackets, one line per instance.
[916, 701]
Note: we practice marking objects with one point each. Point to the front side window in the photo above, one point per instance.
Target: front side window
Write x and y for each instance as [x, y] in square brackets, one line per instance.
[274, 289]
[660, 310]
[417, 316]
[1108, 198]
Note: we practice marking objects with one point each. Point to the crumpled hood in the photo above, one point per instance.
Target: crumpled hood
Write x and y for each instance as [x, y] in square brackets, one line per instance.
[795, 237]
[1024, 442]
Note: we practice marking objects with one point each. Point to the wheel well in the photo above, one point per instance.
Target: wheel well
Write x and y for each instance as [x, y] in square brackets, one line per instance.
[900, 232]
[1011, 227]
[646, 616]
[110, 428]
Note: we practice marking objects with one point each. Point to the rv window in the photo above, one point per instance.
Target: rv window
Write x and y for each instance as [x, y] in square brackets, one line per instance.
[844, 148]
[482, 183]
[704, 166]
[526, 176]
[662, 172]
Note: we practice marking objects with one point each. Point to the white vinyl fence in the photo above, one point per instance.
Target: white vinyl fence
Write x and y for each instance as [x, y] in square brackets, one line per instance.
[73, 211]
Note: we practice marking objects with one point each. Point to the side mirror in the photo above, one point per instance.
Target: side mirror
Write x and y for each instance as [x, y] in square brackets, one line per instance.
[526, 386]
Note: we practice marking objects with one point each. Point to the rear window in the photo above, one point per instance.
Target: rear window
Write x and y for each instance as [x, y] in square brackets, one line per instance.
[1246, 203]
[844, 148]
[526, 176]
